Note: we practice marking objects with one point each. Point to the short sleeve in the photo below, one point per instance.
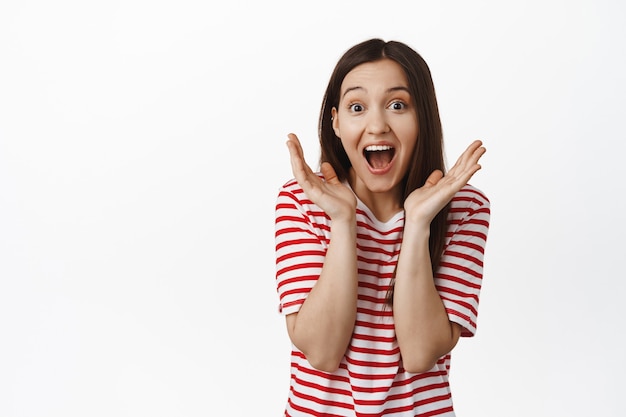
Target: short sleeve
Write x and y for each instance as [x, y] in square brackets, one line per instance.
[460, 273]
[300, 248]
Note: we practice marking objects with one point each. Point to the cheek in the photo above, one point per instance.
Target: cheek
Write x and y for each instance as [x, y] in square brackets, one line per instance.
[406, 128]
[350, 132]
[409, 138]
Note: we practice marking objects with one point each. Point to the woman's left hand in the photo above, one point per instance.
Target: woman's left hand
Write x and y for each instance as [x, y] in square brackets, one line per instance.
[423, 204]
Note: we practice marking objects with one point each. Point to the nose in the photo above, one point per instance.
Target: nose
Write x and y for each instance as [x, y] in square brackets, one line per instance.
[377, 122]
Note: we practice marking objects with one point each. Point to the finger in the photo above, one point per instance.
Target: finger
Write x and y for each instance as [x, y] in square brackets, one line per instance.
[479, 150]
[475, 151]
[470, 151]
[296, 154]
[462, 172]
[294, 146]
[475, 144]
[330, 176]
[470, 157]
[433, 178]
[301, 170]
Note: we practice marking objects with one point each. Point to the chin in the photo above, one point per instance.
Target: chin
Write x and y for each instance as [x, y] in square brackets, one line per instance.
[382, 185]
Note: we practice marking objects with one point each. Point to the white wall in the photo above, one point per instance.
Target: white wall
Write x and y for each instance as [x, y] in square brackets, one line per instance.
[141, 148]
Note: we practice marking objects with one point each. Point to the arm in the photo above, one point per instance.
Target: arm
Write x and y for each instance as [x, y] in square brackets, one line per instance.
[423, 329]
[323, 326]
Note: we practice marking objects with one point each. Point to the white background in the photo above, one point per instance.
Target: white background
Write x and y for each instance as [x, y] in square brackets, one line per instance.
[142, 146]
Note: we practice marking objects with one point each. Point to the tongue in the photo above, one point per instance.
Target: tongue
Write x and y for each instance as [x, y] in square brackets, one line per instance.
[379, 159]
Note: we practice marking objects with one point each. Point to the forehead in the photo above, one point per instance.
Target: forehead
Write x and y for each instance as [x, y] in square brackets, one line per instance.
[371, 76]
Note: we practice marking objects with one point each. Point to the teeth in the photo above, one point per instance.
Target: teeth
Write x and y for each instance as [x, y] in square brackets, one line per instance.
[373, 148]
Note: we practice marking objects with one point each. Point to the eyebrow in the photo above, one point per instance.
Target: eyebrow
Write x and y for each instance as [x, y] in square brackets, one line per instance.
[389, 90]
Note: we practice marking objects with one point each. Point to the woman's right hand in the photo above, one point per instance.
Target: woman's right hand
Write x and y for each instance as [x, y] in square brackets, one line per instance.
[337, 200]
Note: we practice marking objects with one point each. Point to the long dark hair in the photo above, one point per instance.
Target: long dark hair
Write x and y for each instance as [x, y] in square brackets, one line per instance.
[428, 154]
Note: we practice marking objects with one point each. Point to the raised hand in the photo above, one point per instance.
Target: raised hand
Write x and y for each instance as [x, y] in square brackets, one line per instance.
[337, 200]
[423, 204]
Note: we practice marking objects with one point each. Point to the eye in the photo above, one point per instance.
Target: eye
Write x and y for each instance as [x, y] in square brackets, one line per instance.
[356, 107]
[397, 105]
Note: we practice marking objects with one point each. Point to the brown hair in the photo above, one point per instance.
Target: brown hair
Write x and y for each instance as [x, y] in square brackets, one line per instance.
[428, 154]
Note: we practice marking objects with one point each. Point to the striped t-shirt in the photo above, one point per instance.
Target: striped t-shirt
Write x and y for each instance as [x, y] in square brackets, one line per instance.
[371, 380]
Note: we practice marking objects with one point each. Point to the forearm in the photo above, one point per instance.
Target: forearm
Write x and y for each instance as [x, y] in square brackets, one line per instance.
[323, 326]
[423, 329]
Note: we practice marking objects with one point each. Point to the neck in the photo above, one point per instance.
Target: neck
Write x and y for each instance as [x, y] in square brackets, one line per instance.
[383, 204]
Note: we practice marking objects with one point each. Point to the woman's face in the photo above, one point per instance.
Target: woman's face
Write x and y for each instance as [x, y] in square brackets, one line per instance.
[377, 123]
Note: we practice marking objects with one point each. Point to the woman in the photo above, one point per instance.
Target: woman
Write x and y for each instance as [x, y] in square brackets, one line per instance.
[379, 255]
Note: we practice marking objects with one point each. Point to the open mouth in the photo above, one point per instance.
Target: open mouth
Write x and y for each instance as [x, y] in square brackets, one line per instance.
[379, 156]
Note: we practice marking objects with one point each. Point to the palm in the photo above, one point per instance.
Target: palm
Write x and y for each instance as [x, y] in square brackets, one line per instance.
[329, 194]
[423, 204]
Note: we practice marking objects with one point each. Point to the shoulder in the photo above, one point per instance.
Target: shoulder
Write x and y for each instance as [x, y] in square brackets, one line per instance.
[471, 208]
[292, 196]
[293, 191]
[294, 207]
[290, 192]
[470, 198]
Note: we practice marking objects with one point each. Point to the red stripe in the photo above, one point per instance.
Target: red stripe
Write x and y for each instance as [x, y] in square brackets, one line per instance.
[462, 316]
[293, 280]
[468, 271]
[372, 364]
[372, 351]
[461, 303]
[477, 222]
[408, 394]
[322, 388]
[381, 339]
[377, 250]
[315, 372]
[469, 245]
[458, 280]
[291, 304]
[367, 238]
[287, 230]
[374, 313]
[315, 253]
[379, 326]
[300, 266]
[472, 233]
[308, 411]
[371, 299]
[281, 245]
[465, 256]
[372, 261]
[374, 286]
[375, 274]
[303, 291]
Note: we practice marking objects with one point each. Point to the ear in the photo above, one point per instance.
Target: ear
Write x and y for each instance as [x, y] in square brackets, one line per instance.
[335, 122]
